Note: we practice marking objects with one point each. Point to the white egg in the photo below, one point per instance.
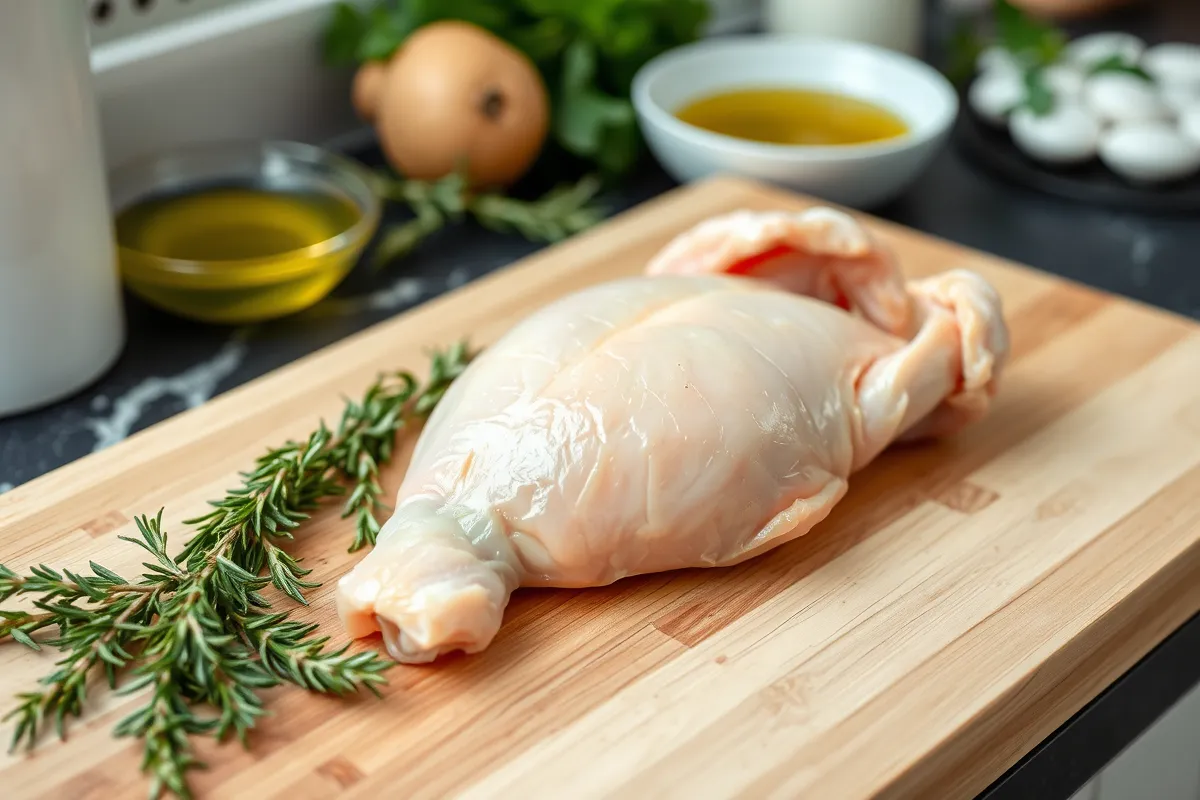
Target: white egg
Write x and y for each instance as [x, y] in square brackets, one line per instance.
[994, 94]
[1087, 51]
[1189, 125]
[1067, 135]
[997, 59]
[1149, 152]
[1120, 97]
[1174, 63]
[1179, 98]
[1065, 80]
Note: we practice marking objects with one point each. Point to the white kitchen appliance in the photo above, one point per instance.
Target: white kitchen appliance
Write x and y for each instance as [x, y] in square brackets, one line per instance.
[61, 322]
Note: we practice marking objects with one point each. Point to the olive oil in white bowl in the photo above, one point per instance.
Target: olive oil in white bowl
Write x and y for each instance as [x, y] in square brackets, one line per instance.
[793, 116]
[858, 174]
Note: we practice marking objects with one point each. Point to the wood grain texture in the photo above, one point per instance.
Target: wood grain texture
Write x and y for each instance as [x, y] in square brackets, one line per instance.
[963, 600]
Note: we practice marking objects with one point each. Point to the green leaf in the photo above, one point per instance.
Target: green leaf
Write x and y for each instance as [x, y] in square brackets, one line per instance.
[682, 20]
[597, 126]
[385, 30]
[1031, 41]
[399, 240]
[1118, 64]
[1039, 98]
[22, 637]
[627, 35]
[964, 48]
[542, 40]
[562, 211]
[487, 14]
[344, 34]
[588, 122]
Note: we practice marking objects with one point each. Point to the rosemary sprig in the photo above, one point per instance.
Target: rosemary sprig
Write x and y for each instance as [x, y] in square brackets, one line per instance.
[368, 431]
[195, 631]
[245, 526]
[555, 215]
[165, 724]
[559, 213]
[289, 649]
[89, 637]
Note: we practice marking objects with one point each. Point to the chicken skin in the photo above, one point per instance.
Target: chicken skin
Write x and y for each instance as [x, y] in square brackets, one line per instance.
[696, 416]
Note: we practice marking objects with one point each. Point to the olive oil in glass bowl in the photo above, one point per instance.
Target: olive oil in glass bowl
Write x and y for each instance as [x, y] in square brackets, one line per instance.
[239, 233]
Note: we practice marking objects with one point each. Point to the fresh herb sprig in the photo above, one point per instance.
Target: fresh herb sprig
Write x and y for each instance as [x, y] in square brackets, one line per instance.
[1033, 43]
[559, 213]
[1118, 62]
[195, 632]
[368, 429]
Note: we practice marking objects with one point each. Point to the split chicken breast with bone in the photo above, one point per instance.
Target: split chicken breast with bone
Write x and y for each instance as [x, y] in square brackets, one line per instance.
[696, 416]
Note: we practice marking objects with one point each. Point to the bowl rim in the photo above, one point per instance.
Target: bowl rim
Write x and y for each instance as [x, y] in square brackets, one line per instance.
[660, 117]
[299, 156]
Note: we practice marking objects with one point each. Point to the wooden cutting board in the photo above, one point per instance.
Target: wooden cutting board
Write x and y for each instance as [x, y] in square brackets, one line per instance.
[964, 599]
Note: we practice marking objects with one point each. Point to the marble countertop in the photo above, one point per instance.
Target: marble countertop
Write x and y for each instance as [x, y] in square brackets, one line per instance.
[169, 364]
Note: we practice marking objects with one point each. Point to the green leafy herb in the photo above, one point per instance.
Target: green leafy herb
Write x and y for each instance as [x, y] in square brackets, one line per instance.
[383, 30]
[963, 49]
[559, 213]
[556, 215]
[1039, 98]
[1119, 64]
[195, 632]
[588, 122]
[1032, 42]
[344, 34]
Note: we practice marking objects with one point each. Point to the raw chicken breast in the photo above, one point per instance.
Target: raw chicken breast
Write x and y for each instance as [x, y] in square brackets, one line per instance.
[693, 417]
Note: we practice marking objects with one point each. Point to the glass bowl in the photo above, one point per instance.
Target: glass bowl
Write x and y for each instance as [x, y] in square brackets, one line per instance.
[271, 283]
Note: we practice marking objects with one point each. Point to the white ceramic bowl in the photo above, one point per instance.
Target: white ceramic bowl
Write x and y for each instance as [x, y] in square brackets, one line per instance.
[861, 175]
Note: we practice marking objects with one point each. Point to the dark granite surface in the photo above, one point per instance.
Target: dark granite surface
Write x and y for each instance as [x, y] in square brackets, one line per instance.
[171, 364]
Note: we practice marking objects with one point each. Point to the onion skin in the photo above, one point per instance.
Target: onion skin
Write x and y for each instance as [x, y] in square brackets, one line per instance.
[455, 96]
[367, 87]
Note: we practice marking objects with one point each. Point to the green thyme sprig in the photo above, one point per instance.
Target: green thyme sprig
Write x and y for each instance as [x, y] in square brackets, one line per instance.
[561, 212]
[194, 632]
